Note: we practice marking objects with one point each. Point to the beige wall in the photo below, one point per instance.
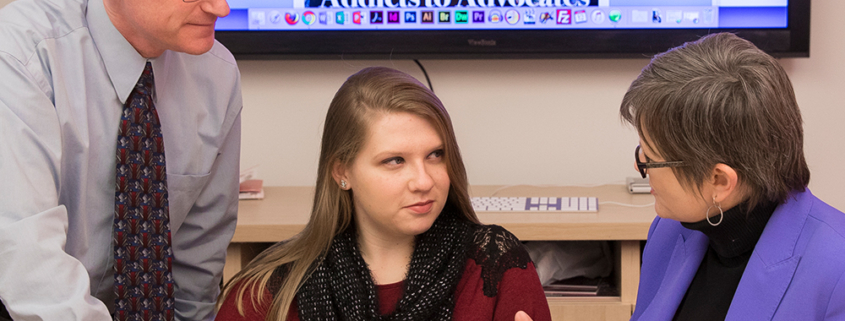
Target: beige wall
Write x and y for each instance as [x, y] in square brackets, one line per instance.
[819, 85]
[528, 121]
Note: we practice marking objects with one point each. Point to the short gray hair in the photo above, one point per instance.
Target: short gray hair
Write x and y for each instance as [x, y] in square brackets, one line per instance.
[717, 100]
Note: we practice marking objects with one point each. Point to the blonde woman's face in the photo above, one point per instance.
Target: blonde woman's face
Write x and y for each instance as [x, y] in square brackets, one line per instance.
[398, 180]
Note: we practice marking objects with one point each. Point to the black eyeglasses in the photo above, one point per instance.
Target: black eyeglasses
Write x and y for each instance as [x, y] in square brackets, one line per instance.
[644, 166]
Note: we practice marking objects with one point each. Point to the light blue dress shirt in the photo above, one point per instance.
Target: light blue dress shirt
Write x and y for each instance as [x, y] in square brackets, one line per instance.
[65, 72]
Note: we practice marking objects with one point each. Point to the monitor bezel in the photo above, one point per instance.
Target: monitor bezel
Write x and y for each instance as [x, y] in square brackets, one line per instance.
[793, 41]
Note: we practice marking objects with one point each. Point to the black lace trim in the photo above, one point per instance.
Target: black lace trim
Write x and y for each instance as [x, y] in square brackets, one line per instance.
[496, 250]
[274, 284]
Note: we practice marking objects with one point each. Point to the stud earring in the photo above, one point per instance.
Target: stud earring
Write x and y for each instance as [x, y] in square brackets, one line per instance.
[342, 184]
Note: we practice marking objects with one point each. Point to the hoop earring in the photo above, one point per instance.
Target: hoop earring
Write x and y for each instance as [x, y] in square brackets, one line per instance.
[721, 213]
[342, 184]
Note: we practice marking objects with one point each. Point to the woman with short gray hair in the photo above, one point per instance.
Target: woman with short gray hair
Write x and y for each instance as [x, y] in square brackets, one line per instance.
[738, 235]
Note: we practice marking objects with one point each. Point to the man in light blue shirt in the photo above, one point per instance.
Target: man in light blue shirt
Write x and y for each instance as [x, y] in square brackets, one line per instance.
[66, 70]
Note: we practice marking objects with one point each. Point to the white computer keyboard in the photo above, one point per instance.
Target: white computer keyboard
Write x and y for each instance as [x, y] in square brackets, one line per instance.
[535, 204]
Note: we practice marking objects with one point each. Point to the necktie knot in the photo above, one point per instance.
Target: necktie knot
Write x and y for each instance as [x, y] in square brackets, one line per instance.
[145, 85]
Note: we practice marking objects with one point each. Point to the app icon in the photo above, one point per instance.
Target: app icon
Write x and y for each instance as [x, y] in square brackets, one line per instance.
[691, 16]
[564, 16]
[356, 17]
[410, 16]
[580, 16]
[708, 15]
[674, 15]
[309, 18]
[545, 17]
[461, 16]
[444, 16]
[323, 18]
[257, 18]
[640, 16]
[376, 17]
[427, 17]
[478, 17]
[598, 16]
[275, 17]
[291, 18]
[495, 16]
[615, 15]
[393, 17]
[340, 17]
[512, 16]
[656, 16]
[529, 18]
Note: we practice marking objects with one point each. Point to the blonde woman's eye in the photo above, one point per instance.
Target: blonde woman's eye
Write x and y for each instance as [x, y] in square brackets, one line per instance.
[393, 161]
[436, 154]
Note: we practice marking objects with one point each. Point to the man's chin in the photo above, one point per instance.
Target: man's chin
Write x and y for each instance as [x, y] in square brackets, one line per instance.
[198, 47]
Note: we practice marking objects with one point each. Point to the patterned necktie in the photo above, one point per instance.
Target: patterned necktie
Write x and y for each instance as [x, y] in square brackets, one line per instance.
[143, 257]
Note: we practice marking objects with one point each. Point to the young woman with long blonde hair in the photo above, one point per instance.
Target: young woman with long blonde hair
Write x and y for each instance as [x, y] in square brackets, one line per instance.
[392, 234]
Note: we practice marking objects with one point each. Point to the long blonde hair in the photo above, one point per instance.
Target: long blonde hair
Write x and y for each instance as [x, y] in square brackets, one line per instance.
[371, 90]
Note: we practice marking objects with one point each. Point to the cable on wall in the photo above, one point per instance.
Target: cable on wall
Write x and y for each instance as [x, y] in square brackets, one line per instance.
[426, 74]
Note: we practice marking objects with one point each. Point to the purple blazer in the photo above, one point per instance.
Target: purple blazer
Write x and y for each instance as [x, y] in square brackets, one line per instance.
[796, 272]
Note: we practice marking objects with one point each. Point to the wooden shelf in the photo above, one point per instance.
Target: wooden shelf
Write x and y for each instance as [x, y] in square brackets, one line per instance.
[285, 211]
[589, 309]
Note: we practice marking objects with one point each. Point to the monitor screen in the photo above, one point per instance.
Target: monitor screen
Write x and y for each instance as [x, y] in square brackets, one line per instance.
[503, 28]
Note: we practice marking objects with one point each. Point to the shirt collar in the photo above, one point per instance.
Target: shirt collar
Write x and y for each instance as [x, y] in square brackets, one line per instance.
[124, 64]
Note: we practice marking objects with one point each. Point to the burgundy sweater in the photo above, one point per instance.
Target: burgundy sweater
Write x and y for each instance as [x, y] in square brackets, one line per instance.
[518, 290]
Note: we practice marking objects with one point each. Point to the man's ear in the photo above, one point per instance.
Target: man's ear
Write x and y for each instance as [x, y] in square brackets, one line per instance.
[725, 182]
[339, 173]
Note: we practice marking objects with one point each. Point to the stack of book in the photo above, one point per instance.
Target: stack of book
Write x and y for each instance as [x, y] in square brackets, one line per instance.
[252, 189]
[579, 286]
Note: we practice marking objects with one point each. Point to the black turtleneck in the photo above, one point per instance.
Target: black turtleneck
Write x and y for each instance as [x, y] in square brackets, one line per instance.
[731, 244]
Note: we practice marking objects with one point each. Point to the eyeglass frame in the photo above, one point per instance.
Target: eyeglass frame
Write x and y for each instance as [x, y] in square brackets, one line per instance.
[644, 166]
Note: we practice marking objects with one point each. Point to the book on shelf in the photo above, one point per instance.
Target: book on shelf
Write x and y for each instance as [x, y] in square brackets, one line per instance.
[252, 189]
[579, 286]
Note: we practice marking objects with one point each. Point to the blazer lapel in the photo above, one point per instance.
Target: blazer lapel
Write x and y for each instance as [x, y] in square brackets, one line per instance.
[686, 257]
[773, 262]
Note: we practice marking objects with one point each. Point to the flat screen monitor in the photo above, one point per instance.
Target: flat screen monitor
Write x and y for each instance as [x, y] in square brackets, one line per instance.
[391, 29]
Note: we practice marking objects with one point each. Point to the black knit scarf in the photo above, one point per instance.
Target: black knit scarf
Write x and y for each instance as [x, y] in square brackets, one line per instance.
[342, 288]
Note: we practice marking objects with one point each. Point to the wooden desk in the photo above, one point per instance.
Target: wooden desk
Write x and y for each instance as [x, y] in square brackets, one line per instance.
[285, 211]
